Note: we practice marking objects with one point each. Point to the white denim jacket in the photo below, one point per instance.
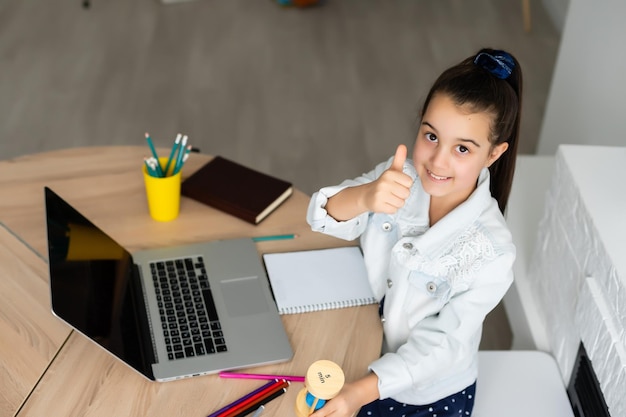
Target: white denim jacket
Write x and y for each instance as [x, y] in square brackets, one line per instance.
[439, 283]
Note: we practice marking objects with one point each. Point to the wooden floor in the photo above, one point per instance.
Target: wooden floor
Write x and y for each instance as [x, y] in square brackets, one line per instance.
[313, 96]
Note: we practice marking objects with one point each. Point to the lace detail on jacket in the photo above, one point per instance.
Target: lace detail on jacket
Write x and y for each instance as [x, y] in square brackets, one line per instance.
[459, 264]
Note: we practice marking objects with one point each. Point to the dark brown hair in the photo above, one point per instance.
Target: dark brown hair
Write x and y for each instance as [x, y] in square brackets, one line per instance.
[484, 90]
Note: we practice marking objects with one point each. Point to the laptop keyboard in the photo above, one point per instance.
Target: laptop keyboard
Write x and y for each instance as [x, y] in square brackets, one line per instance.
[188, 316]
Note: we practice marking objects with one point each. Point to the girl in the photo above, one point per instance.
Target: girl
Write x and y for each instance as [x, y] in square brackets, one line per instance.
[436, 245]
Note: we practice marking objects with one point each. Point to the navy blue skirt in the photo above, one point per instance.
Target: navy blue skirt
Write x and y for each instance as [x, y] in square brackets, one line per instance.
[456, 405]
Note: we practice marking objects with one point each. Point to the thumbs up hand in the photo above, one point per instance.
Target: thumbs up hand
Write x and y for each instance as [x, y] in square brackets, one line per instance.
[399, 158]
[384, 195]
[389, 192]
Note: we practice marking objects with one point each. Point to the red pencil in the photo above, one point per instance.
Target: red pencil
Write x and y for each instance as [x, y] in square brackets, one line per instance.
[277, 386]
[261, 402]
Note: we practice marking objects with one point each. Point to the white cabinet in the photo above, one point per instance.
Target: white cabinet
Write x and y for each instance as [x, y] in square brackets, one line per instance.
[567, 214]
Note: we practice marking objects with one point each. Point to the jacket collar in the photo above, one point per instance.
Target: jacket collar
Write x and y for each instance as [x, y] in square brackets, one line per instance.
[443, 234]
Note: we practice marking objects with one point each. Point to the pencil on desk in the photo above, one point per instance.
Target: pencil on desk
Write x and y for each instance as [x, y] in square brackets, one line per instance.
[250, 404]
[274, 237]
[240, 375]
[242, 399]
[262, 401]
[258, 411]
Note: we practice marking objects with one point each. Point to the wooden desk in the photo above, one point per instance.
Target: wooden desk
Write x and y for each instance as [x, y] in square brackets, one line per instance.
[30, 336]
[107, 186]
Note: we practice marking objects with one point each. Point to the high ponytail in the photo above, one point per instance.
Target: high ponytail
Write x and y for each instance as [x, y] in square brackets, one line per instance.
[490, 81]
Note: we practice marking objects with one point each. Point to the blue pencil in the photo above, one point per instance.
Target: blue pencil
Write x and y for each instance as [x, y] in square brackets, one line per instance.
[154, 153]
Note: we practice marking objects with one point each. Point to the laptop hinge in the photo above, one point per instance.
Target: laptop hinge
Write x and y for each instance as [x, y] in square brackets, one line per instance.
[148, 348]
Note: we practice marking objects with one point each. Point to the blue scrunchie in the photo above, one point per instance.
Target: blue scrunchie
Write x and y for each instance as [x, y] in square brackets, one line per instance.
[500, 64]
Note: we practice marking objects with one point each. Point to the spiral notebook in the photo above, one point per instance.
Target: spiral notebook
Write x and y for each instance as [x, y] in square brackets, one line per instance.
[314, 280]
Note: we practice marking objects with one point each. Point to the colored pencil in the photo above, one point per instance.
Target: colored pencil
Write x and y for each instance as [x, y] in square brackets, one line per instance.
[274, 237]
[154, 153]
[173, 152]
[245, 397]
[259, 411]
[255, 399]
[179, 157]
[150, 168]
[181, 162]
[263, 401]
[237, 375]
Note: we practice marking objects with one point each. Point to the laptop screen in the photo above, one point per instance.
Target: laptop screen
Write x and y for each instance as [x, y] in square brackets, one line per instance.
[94, 287]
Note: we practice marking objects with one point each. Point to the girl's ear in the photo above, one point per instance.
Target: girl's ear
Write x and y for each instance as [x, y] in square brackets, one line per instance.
[496, 152]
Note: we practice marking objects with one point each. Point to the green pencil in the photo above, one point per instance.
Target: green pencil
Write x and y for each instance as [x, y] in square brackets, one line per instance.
[179, 157]
[154, 153]
[175, 147]
[273, 237]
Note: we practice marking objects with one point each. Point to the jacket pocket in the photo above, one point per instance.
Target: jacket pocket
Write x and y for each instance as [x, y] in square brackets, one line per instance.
[426, 295]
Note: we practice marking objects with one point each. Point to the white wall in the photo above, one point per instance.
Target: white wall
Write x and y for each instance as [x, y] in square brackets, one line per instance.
[577, 273]
[557, 10]
[587, 99]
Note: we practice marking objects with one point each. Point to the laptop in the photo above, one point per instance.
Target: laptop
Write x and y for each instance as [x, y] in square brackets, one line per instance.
[168, 313]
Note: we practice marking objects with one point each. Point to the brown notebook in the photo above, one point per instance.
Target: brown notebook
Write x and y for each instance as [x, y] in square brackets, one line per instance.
[236, 189]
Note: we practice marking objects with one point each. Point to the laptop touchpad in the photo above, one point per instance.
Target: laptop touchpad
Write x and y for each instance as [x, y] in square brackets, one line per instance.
[244, 296]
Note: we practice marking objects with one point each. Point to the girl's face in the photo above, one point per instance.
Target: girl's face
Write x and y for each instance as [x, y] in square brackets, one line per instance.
[451, 149]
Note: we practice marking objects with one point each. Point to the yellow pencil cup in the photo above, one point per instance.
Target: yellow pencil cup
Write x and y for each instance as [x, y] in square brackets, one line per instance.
[163, 194]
